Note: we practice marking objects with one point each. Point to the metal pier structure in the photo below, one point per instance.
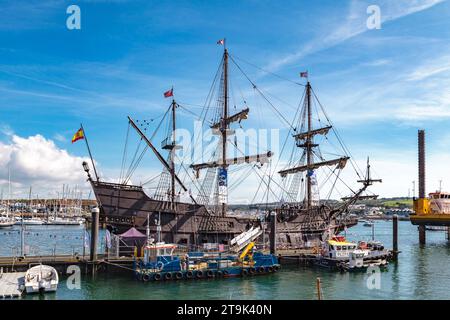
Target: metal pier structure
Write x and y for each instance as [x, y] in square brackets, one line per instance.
[423, 215]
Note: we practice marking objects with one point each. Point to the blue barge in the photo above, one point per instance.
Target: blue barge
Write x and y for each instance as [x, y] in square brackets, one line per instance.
[161, 264]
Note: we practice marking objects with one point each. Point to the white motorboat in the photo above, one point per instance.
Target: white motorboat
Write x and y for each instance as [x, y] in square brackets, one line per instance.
[41, 278]
[30, 222]
[349, 256]
[6, 222]
[368, 224]
[64, 222]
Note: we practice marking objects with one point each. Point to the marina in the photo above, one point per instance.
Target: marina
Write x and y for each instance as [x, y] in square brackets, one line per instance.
[417, 275]
[224, 155]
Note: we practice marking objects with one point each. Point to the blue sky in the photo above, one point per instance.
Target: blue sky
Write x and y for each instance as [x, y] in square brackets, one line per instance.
[379, 86]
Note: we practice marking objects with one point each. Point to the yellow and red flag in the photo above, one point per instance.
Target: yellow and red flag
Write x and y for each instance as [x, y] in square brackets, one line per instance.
[78, 135]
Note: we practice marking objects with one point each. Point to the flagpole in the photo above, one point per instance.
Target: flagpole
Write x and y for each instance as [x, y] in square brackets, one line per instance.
[89, 150]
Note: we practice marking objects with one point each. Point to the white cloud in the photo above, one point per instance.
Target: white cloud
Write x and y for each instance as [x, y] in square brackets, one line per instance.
[430, 68]
[353, 25]
[37, 161]
[59, 137]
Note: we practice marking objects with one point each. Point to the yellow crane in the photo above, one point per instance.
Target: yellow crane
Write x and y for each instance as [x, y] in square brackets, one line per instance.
[246, 251]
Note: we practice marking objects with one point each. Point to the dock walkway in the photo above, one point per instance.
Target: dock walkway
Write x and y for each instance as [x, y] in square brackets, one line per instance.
[11, 284]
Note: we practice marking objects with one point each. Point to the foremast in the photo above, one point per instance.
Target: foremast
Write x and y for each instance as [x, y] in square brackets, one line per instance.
[168, 165]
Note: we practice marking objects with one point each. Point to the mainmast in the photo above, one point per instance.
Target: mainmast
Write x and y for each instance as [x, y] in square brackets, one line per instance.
[225, 125]
[172, 157]
[222, 128]
[309, 158]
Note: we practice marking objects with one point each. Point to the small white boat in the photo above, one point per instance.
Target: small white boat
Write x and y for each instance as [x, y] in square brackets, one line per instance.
[41, 278]
[368, 224]
[64, 222]
[6, 222]
[30, 222]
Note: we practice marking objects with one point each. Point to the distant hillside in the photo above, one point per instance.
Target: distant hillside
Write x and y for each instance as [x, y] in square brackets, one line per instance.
[398, 202]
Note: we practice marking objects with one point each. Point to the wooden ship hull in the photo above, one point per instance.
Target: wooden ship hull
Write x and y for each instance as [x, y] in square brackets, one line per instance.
[125, 206]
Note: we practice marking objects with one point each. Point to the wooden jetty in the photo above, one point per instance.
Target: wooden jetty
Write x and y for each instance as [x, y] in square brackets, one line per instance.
[11, 284]
[62, 262]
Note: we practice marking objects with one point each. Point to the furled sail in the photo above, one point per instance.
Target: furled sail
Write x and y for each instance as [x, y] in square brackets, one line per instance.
[236, 117]
[260, 158]
[309, 134]
[341, 162]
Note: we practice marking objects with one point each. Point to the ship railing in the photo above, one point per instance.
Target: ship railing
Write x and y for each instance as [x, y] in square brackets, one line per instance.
[118, 186]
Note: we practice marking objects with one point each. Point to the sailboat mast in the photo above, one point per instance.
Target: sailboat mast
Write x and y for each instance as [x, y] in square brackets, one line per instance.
[225, 117]
[172, 156]
[9, 187]
[308, 147]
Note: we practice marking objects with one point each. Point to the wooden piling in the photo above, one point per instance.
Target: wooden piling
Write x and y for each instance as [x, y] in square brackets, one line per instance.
[318, 288]
[395, 236]
[273, 232]
[422, 238]
[94, 234]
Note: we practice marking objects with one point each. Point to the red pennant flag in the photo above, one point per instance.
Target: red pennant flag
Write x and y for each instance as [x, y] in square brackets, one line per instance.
[221, 42]
[168, 93]
[304, 74]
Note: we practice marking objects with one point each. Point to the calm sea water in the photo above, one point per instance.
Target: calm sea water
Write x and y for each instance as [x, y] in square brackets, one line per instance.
[421, 273]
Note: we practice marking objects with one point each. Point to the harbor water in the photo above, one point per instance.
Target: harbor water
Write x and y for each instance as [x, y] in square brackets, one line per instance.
[421, 272]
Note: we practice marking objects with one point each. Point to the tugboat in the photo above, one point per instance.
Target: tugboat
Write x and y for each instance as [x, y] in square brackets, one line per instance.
[338, 253]
[160, 261]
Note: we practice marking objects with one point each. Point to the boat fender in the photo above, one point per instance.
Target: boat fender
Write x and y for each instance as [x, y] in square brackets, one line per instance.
[189, 274]
[252, 270]
[168, 276]
[179, 275]
[199, 274]
[269, 269]
[210, 274]
[146, 277]
[276, 268]
[261, 269]
[157, 276]
[219, 273]
[244, 272]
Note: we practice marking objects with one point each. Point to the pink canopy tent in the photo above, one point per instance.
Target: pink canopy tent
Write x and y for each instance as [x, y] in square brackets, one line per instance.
[132, 233]
[130, 239]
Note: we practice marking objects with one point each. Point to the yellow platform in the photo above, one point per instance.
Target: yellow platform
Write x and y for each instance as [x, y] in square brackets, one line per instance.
[430, 219]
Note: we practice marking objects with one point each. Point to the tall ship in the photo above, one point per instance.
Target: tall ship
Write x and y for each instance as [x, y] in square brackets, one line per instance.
[303, 218]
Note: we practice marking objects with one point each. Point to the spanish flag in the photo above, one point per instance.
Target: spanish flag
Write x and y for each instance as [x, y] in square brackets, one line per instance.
[78, 135]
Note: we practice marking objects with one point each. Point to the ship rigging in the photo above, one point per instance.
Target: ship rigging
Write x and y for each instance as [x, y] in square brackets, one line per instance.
[190, 198]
